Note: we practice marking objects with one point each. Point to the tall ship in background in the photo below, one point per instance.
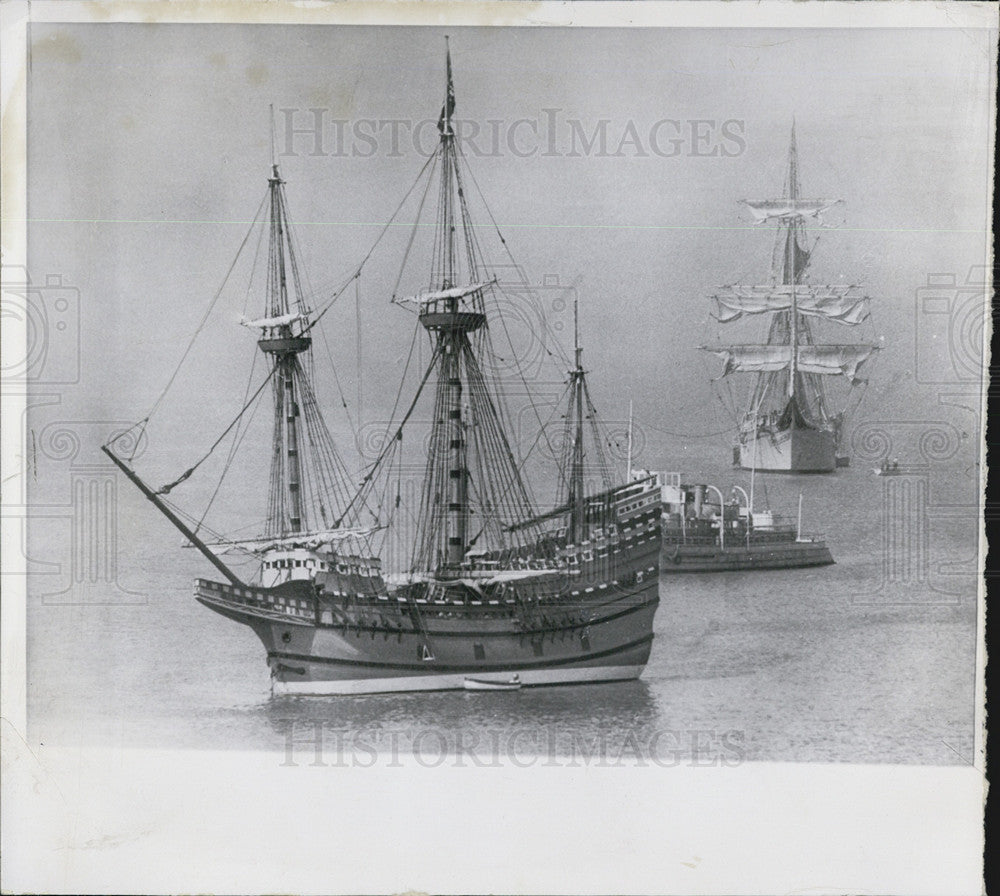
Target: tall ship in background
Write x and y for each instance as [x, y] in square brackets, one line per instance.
[490, 591]
[789, 422]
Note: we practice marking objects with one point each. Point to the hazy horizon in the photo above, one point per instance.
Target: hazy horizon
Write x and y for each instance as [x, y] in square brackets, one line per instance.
[149, 149]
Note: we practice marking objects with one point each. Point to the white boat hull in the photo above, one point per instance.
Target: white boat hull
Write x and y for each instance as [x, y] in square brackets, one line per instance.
[452, 682]
[789, 451]
[493, 684]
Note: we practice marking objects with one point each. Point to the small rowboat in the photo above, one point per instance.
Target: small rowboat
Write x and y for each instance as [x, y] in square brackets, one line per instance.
[887, 470]
[483, 684]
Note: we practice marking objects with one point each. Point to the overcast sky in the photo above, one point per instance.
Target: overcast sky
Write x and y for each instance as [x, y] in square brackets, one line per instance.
[149, 151]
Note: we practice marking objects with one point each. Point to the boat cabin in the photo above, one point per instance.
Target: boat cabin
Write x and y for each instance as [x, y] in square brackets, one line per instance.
[291, 564]
[698, 503]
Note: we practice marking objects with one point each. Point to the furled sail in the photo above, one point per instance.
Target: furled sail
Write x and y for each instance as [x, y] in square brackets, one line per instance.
[842, 304]
[282, 320]
[475, 579]
[304, 540]
[754, 358]
[834, 359]
[838, 360]
[439, 295]
[843, 360]
[516, 575]
[765, 210]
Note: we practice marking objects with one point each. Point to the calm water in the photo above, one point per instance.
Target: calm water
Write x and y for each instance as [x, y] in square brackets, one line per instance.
[869, 660]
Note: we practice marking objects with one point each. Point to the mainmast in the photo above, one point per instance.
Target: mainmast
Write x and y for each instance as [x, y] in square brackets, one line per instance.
[791, 274]
[450, 327]
[474, 495]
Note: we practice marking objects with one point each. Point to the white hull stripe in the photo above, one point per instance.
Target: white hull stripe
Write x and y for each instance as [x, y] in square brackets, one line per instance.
[456, 681]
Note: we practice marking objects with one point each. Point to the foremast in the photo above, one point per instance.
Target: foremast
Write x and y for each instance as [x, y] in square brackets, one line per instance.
[309, 484]
[282, 340]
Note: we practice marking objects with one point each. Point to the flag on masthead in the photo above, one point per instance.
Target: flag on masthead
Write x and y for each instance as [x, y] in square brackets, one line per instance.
[444, 122]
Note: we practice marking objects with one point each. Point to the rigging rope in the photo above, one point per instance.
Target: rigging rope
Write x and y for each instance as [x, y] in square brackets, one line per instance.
[413, 230]
[369, 476]
[687, 435]
[503, 320]
[216, 535]
[238, 438]
[208, 311]
[357, 273]
[142, 423]
[166, 489]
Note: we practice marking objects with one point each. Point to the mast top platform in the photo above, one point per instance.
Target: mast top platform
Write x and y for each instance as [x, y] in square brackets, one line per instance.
[285, 345]
[453, 321]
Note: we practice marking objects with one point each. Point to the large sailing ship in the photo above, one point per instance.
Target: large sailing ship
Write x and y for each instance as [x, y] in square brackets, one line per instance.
[492, 590]
[790, 422]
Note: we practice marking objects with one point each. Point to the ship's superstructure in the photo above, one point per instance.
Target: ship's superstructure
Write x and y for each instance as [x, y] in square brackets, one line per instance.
[703, 531]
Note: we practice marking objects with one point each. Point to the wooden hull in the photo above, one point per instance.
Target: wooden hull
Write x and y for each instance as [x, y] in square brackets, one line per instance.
[592, 623]
[601, 640]
[789, 451]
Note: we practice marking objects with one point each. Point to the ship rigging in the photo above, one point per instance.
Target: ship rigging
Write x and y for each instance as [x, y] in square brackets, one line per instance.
[789, 422]
[488, 582]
